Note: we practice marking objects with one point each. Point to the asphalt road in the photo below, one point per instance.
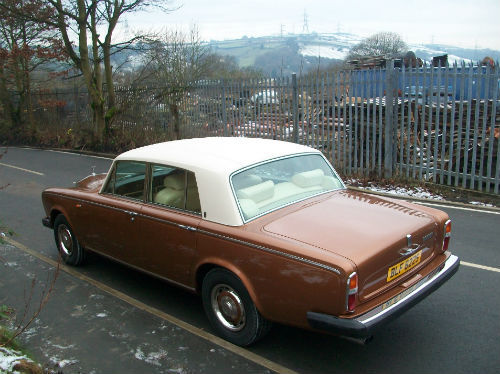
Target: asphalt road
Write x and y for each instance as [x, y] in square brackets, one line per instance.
[106, 318]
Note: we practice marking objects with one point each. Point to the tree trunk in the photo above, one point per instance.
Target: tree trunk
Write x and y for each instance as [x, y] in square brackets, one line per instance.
[95, 92]
[6, 100]
[174, 110]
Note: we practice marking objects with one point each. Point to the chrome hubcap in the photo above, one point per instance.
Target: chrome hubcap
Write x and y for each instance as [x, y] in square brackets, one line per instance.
[228, 307]
[65, 240]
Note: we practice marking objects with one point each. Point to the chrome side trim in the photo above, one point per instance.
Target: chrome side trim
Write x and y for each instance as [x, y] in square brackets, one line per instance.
[237, 241]
[273, 251]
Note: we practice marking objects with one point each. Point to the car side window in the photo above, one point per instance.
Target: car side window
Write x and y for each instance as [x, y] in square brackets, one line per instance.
[128, 180]
[175, 188]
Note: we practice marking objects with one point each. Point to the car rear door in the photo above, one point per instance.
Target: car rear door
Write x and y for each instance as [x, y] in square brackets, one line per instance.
[168, 224]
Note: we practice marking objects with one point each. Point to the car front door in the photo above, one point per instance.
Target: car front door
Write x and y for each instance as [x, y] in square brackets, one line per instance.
[113, 217]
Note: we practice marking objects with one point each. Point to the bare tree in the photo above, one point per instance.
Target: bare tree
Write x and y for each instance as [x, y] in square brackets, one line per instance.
[25, 46]
[93, 22]
[386, 44]
[177, 61]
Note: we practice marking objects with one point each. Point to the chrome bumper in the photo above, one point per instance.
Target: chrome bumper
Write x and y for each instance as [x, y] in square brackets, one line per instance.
[362, 327]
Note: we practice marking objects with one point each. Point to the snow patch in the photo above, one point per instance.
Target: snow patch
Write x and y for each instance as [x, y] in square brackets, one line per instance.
[64, 363]
[9, 358]
[324, 51]
[152, 358]
[401, 191]
[58, 346]
[56, 361]
[478, 203]
[176, 371]
[417, 192]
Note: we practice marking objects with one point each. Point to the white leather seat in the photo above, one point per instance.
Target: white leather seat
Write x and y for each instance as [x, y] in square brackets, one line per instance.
[174, 192]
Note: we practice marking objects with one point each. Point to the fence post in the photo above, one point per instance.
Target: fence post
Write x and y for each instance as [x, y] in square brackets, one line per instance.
[295, 108]
[224, 109]
[389, 119]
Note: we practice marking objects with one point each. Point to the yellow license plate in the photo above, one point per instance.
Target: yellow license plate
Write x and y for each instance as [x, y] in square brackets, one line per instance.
[403, 266]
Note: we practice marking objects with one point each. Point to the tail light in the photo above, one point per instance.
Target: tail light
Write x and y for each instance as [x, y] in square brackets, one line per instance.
[352, 291]
[447, 235]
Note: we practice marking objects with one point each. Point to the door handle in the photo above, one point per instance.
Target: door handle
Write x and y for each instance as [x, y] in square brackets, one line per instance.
[132, 215]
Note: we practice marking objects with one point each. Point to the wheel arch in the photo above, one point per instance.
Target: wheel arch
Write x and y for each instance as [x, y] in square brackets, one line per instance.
[214, 263]
[54, 213]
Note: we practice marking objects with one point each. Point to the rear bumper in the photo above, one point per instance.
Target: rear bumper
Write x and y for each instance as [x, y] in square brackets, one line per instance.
[362, 327]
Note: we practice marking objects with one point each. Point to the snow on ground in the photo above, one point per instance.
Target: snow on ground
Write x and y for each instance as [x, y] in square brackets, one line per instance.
[478, 203]
[401, 191]
[9, 358]
[324, 51]
[405, 191]
[417, 192]
[153, 358]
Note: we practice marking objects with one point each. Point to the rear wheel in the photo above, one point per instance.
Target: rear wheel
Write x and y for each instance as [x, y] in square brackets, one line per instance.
[70, 250]
[230, 309]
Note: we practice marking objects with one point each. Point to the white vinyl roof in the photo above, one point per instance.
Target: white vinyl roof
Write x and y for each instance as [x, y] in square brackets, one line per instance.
[224, 155]
[213, 160]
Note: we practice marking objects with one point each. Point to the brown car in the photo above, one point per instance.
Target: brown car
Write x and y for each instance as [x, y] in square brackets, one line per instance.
[264, 230]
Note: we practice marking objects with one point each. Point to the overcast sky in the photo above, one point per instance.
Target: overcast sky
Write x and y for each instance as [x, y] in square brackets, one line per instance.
[463, 23]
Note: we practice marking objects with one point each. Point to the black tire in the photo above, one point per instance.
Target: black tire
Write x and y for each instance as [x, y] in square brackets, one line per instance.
[68, 246]
[230, 309]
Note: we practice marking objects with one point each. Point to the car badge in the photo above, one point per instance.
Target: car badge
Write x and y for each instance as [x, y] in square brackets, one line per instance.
[428, 236]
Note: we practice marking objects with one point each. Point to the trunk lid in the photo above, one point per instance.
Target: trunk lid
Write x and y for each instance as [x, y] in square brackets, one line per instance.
[368, 230]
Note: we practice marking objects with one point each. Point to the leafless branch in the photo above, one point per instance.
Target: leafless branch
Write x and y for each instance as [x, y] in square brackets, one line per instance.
[44, 298]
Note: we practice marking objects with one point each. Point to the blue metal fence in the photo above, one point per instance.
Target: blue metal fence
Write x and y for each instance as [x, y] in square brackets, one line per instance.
[434, 124]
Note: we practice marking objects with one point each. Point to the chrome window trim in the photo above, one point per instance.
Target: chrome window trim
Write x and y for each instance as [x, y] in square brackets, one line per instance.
[149, 199]
[127, 211]
[290, 203]
[112, 176]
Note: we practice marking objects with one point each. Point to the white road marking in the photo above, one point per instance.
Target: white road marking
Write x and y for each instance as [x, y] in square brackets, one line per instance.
[18, 168]
[456, 207]
[246, 354]
[477, 266]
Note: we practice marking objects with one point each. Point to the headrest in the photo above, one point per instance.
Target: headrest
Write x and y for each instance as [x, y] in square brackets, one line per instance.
[175, 181]
[308, 178]
[259, 192]
[242, 181]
